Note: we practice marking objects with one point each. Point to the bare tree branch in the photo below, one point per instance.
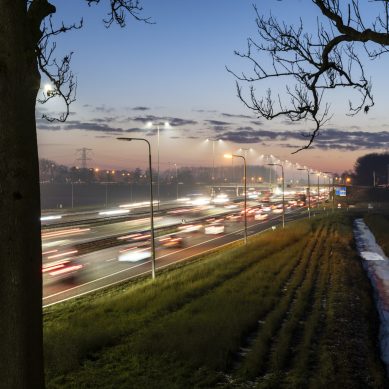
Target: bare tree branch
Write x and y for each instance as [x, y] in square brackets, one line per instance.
[119, 9]
[58, 71]
[313, 64]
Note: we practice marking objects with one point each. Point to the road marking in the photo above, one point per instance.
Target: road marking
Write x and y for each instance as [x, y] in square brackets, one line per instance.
[110, 260]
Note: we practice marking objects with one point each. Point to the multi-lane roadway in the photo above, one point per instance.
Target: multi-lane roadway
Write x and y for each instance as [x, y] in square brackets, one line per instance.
[101, 267]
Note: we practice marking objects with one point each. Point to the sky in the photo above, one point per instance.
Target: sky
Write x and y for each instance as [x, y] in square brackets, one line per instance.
[131, 80]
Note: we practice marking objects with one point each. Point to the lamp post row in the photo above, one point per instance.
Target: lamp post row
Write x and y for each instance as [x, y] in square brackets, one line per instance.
[230, 156]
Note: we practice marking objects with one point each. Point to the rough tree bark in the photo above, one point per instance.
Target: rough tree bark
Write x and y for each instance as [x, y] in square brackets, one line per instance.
[24, 52]
[21, 352]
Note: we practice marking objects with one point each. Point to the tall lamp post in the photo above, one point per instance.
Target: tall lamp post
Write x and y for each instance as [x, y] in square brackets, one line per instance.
[213, 140]
[159, 199]
[166, 125]
[309, 191]
[318, 188]
[151, 204]
[283, 191]
[230, 156]
[333, 189]
[176, 180]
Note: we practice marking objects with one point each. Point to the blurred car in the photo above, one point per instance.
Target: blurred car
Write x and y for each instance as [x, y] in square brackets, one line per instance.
[135, 237]
[190, 228]
[134, 254]
[250, 211]
[261, 216]
[234, 218]
[214, 229]
[172, 241]
[61, 270]
[277, 210]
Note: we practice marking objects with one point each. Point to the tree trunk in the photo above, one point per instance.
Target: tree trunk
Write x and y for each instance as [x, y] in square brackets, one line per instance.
[21, 350]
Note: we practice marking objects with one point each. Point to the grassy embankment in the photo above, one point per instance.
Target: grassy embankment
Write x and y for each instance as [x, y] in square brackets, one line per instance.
[379, 226]
[292, 310]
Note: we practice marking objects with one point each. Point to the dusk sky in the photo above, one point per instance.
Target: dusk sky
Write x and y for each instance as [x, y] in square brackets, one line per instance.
[175, 71]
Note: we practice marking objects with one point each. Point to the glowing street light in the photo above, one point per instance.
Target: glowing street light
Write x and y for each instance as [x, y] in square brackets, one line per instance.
[230, 156]
[151, 204]
[48, 89]
[283, 191]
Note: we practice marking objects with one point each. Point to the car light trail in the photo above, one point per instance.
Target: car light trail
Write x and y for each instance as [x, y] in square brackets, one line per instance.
[64, 232]
[51, 217]
[114, 212]
[62, 254]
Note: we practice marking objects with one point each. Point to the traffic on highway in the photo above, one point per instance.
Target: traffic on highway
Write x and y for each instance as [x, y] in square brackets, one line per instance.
[89, 253]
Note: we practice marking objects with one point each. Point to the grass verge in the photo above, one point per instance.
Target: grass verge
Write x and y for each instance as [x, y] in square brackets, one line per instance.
[271, 314]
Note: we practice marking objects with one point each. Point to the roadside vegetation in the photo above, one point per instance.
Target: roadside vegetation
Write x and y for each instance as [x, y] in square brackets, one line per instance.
[379, 226]
[292, 310]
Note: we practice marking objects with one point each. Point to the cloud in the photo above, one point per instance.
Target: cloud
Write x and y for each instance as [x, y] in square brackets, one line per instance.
[140, 108]
[204, 110]
[289, 122]
[105, 119]
[173, 121]
[219, 128]
[77, 125]
[217, 123]
[229, 115]
[330, 138]
[136, 129]
[256, 122]
[49, 127]
[104, 108]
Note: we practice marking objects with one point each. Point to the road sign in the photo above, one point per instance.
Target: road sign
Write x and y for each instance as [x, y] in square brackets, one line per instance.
[340, 191]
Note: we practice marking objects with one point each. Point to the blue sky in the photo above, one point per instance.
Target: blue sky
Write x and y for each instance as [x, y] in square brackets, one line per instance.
[174, 70]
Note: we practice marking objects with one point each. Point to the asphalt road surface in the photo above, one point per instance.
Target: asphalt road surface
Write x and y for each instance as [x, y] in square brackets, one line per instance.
[103, 268]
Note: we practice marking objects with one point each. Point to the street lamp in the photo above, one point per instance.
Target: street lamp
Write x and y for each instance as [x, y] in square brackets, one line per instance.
[333, 189]
[283, 191]
[230, 156]
[213, 140]
[166, 125]
[318, 189]
[309, 191]
[151, 204]
[176, 180]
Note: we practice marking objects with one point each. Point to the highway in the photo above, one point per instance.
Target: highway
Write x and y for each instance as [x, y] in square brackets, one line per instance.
[102, 267]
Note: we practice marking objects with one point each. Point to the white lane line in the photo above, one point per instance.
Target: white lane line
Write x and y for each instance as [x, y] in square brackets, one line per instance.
[110, 260]
[144, 263]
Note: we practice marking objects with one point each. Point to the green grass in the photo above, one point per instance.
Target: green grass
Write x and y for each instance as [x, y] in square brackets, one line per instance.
[379, 226]
[289, 301]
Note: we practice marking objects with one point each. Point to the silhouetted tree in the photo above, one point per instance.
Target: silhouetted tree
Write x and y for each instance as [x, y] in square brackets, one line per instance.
[26, 52]
[372, 169]
[313, 63]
